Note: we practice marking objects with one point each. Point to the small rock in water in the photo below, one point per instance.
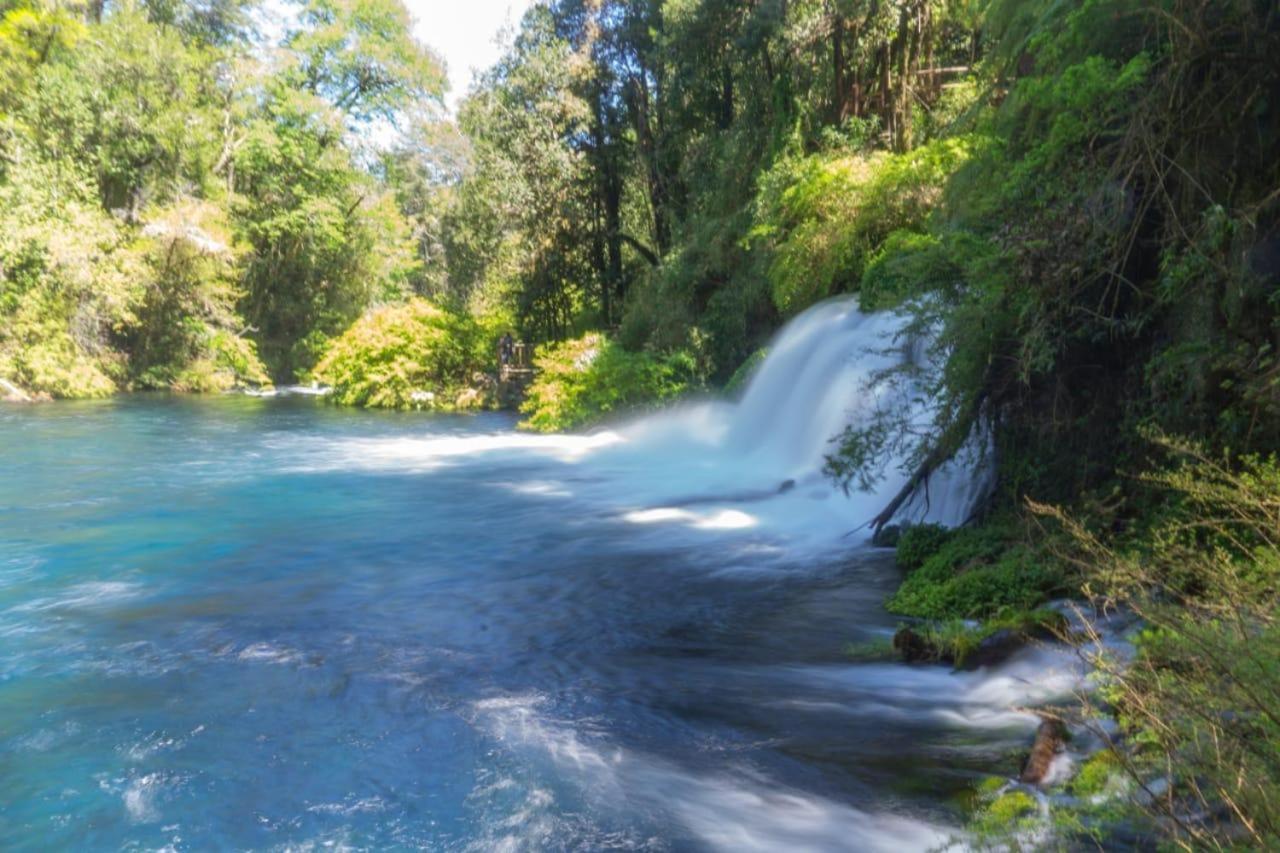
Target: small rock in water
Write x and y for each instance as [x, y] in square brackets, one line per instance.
[913, 647]
[1050, 740]
[995, 649]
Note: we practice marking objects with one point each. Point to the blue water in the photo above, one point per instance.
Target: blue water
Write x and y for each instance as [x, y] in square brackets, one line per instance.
[242, 623]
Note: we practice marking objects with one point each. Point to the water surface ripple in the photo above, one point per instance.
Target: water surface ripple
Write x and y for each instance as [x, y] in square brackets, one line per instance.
[273, 624]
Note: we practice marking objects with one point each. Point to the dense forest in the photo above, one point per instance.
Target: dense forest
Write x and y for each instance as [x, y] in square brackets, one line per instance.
[1077, 203]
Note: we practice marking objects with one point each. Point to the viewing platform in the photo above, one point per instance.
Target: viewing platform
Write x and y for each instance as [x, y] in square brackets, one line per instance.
[514, 375]
[519, 367]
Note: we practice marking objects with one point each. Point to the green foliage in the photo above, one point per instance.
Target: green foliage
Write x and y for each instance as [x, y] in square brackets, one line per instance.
[1196, 699]
[918, 543]
[165, 195]
[1007, 814]
[360, 55]
[825, 217]
[591, 378]
[66, 286]
[977, 573]
[394, 356]
[1100, 262]
[325, 242]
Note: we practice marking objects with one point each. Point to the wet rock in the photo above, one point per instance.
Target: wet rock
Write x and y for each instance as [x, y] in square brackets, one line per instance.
[995, 649]
[913, 648]
[469, 398]
[1050, 741]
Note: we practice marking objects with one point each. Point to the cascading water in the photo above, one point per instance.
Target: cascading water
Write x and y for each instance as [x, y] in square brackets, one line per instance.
[274, 624]
[714, 464]
[833, 366]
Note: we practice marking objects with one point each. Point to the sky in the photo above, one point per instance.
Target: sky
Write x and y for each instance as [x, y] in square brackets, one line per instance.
[465, 33]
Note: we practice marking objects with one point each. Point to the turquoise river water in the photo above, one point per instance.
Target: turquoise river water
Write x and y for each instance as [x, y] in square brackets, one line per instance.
[266, 624]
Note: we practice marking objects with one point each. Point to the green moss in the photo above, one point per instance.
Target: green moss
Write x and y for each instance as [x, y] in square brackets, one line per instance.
[871, 651]
[1096, 774]
[991, 786]
[1005, 816]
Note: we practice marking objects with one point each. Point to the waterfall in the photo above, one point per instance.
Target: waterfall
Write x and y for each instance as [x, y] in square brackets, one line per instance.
[831, 367]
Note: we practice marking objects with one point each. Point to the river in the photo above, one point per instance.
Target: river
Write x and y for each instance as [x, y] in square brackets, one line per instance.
[236, 622]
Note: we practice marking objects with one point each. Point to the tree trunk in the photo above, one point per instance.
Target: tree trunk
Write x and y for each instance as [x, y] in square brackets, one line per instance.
[839, 95]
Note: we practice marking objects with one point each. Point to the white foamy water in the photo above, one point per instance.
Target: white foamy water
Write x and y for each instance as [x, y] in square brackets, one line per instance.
[729, 811]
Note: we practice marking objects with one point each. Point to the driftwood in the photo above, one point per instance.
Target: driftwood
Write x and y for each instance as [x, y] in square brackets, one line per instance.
[12, 393]
[1050, 739]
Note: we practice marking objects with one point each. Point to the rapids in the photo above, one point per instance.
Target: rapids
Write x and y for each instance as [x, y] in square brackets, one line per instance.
[269, 623]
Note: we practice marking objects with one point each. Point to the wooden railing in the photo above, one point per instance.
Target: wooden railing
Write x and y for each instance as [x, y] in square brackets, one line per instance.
[519, 365]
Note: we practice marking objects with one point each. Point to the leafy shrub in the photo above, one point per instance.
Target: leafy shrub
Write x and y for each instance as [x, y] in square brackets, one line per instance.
[584, 380]
[182, 334]
[976, 573]
[919, 542]
[68, 284]
[1198, 696]
[394, 352]
[90, 305]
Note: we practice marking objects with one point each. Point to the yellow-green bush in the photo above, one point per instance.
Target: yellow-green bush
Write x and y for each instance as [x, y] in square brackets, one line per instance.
[590, 378]
[67, 285]
[394, 352]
